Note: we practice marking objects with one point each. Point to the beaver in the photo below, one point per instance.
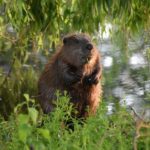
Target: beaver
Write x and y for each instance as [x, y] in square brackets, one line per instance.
[75, 67]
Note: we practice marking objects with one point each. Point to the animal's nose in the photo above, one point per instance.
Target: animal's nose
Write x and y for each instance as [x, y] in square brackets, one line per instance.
[89, 46]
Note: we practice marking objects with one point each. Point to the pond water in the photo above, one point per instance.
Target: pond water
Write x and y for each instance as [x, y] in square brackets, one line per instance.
[127, 84]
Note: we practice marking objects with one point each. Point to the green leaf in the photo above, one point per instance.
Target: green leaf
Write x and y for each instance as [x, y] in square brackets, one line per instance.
[23, 119]
[26, 97]
[24, 131]
[33, 113]
[45, 133]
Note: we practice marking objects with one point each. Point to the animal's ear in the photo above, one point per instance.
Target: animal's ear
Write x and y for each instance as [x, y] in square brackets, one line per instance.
[70, 39]
[65, 40]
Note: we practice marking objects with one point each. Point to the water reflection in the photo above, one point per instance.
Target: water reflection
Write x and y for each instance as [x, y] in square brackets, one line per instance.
[131, 85]
[137, 60]
[107, 61]
[118, 91]
[129, 100]
[147, 86]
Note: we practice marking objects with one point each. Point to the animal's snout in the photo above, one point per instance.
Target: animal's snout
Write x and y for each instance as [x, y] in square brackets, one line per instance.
[89, 46]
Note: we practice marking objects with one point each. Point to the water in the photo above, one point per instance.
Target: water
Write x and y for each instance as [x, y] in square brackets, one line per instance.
[131, 84]
[137, 60]
[107, 61]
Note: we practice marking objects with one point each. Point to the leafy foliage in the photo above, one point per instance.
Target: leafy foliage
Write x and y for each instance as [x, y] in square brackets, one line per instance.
[28, 130]
[53, 18]
[14, 84]
[29, 28]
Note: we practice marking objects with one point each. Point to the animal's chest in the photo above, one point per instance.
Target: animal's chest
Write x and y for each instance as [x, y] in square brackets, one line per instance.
[87, 70]
[79, 93]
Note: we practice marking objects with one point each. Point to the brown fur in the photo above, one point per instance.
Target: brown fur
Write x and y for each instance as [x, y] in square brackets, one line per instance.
[69, 70]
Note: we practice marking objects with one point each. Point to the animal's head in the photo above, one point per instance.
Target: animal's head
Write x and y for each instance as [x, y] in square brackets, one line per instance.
[78, 49]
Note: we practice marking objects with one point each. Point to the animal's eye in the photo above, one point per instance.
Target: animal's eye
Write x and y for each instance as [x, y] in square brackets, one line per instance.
[89, 46]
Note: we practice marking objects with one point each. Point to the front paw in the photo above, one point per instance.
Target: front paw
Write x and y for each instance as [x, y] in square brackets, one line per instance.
[72, 78]
[76, 78]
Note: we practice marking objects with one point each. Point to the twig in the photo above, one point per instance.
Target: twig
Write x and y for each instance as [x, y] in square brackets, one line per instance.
[140, 123]
[9, 39]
